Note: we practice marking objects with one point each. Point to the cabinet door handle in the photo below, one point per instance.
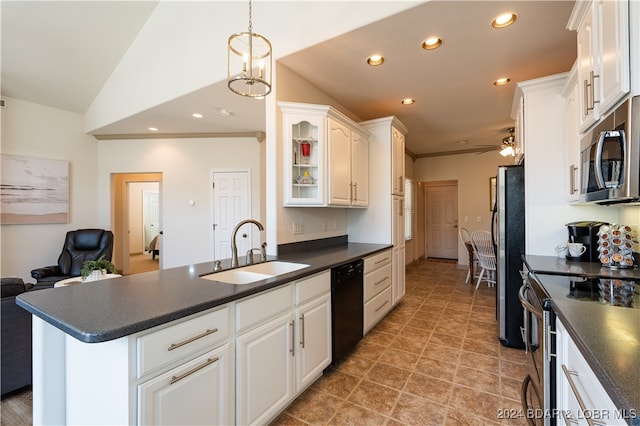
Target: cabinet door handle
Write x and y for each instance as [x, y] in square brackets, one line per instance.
[184, 342]
[572, 178]
[382, 260]
[590, 85]
[209, 361]
[351, 191]
[292, 338]
[302, 331]
[355, 189]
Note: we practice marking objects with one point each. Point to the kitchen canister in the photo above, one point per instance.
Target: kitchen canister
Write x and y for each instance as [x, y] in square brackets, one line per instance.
[615, 246]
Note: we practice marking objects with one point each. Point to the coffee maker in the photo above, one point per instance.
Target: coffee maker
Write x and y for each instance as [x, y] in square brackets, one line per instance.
[585, 232]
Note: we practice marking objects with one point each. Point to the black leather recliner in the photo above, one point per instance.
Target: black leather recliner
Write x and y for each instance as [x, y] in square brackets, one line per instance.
[79, 245]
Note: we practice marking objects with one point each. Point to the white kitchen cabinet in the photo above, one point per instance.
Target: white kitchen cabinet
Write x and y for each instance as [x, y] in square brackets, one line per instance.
[325, 157]
[313, 337]
[264, 373]
[284, 343]
[135, 375]
[397, 161]
[573, 163]
[603, 56]
[359, 169]
[378, 278]
[579, 393]
[304, 175]
[348, 165]
[398, 289]
[383, 221]
[196, 393]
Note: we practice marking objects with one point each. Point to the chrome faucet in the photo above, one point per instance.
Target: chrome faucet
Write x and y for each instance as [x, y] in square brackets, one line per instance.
[234, 247]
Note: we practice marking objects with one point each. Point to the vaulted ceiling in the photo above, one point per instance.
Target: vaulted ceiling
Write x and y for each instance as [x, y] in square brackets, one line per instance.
[61, 53]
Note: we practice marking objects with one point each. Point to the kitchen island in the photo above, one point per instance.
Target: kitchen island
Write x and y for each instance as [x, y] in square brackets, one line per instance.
[100, 349]
[608, 337]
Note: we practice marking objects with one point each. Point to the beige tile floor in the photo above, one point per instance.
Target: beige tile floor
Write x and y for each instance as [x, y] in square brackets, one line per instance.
[434, 360]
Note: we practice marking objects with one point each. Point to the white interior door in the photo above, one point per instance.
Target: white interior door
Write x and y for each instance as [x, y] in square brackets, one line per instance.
[231, 204]
[442, 221]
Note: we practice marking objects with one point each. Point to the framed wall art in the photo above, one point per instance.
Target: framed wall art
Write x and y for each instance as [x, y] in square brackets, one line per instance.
[33, 190]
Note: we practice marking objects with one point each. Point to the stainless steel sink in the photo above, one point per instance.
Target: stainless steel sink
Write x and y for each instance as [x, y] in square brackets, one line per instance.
[254, 273]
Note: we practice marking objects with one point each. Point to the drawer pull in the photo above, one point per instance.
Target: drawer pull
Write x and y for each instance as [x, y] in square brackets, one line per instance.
[381, 306]
[381, 281]
[381, 260]
[199, 336]
[302, 331]
[209, 361]
[568, 373]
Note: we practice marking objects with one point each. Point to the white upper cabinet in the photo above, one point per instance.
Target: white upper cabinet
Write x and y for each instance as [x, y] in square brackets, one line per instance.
[326, 158]
[397, 165]
[603, 56]
[570, 94]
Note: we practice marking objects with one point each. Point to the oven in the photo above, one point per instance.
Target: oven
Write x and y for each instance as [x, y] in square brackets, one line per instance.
[539, 385]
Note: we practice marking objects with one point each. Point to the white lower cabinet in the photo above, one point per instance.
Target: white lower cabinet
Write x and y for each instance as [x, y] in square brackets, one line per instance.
[264, 374]
[580, 397]
[196, 393]
[378, 279]
[314, 340]
[240, 363]
[277, 360]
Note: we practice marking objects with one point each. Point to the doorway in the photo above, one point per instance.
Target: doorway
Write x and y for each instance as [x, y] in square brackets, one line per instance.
[130, 251]
[441, 212]
[144, 226]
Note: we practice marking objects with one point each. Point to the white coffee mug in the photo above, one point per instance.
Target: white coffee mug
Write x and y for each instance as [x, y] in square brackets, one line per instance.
[561, 250]
[576, 249]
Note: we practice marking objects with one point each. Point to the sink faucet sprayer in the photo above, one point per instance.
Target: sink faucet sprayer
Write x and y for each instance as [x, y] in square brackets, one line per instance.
[234, 247]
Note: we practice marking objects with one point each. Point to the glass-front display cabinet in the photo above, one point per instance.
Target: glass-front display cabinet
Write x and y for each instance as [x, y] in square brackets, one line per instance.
[304, 147]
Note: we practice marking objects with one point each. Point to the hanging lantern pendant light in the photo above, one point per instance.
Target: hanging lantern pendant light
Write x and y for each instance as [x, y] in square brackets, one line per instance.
[249, 63]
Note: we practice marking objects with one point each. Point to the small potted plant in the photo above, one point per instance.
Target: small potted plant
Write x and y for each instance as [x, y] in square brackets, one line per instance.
[95, 269]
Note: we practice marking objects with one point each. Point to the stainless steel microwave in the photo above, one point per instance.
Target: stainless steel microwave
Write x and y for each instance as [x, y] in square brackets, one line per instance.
[610, 157]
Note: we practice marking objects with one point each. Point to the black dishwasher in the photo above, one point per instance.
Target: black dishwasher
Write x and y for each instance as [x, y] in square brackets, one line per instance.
[347, 309]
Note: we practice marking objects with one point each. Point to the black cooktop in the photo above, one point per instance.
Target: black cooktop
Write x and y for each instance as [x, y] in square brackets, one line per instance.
[612, 292]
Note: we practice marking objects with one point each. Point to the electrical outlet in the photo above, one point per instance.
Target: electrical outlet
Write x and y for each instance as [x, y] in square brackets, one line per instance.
[298, 228]
[336, 225]
[479, 219]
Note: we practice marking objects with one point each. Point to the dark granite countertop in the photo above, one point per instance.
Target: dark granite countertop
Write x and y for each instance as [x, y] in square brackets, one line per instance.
[109, 309]
[607, 336]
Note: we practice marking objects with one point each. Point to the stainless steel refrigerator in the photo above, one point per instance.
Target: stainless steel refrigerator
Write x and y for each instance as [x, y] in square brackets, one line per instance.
[508, 233]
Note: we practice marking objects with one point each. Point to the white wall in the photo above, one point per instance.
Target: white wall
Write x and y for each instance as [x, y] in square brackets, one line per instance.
[186, 166]
[35, 130]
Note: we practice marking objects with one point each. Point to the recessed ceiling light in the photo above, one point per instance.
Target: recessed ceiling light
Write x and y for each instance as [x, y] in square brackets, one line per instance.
[375, 60]
[224, 112]
[502, 81]
[407, 101]
[432, 43]
[504, 20]
[197, 115]
[153, 129]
